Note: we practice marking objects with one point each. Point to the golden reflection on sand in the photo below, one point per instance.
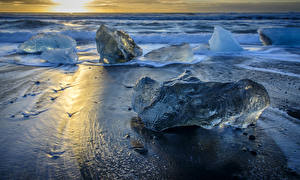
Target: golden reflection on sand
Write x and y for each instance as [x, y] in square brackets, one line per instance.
[76, 112]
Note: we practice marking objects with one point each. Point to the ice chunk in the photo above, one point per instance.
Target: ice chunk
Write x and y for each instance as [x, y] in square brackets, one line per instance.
[187, 101]
[280, 36]
[181, 53]
[115, 46]
[223, 41]
[47, 41]
[60, 56]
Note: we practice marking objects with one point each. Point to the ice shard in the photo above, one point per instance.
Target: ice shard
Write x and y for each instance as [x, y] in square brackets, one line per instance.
[223, 41]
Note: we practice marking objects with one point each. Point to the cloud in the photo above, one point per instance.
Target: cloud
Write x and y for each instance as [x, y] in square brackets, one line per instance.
[37, 2]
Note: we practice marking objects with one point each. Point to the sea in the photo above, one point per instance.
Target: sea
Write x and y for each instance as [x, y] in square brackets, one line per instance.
[76, 121]
[149, 31]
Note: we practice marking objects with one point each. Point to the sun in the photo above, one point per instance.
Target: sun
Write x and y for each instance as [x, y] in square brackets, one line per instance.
[70, 6]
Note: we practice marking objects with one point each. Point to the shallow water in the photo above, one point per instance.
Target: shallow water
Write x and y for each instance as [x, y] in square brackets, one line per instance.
[75, 121]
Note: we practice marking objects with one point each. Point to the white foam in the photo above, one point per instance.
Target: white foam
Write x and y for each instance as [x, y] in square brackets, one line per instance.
[268, 70]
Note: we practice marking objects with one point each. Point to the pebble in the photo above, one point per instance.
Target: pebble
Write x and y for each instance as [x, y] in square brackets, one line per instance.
[251, 137]
[127, 136]
[142, 151]
[244, 149]
[129, 108]
[254, 153]
[37, 83]
[245, 133]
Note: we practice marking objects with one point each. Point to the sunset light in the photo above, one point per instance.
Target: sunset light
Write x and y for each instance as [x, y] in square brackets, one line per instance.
[70, 6]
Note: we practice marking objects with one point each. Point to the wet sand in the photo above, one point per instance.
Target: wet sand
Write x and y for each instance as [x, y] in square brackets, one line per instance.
[78, 124]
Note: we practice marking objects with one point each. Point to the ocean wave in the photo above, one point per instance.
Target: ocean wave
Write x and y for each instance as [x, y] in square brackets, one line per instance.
[25, 24]
[18, 37]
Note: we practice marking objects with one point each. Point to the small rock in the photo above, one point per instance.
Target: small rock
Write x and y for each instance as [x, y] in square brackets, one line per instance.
[251, 137]
[37, 83]
[142, 151]
[244, 133]
[129, 108]
[253, 152]
[12, 116]
[138, 147]
[252, 125]
[244, 149]
[127, 136]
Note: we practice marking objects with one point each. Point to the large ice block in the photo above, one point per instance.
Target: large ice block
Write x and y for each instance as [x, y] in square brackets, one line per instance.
[115, 46]
[47, 41]
[280, 36]
[223, 41]
[187, 101]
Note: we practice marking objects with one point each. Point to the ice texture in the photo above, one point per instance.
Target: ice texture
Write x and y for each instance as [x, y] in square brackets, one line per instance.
[47, 41]
[187, 101]
[223, 41]
[280, 36]
[60, 56]
[181, 53]
[115, 46]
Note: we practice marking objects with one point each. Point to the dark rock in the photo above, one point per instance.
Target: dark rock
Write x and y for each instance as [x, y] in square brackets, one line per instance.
[244, 133]
[254, 153]
[252, 137]
[294, 113]
[142, 151]
[115, 46]
[187, 101]
[129, 108]
[138, 147]
[37, 82]
[127, 136]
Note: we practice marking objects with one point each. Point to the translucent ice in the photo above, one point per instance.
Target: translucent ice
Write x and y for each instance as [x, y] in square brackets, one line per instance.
[115, 46]
[60, 56]
[223, 41]
[54, 48]
[187, 101]
[181, 53]
[47, 41]
[280, 36]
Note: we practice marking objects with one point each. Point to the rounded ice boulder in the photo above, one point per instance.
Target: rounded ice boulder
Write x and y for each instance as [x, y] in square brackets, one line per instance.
[47, 41]
[115, 46]
[187, 101]
[223, 41]
[55, 48]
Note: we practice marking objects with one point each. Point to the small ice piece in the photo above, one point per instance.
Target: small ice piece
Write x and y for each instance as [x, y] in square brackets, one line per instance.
[180, 53]
[223, 41]
[115, 46]
[60, 56]
[280, 36]
[200, 48]
[47, 41]
[187, 101]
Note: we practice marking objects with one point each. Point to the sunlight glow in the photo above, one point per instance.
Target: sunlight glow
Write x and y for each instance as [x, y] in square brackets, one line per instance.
[70, 6]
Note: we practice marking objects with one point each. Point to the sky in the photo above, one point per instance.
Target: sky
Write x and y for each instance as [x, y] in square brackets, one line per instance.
[148, 6]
